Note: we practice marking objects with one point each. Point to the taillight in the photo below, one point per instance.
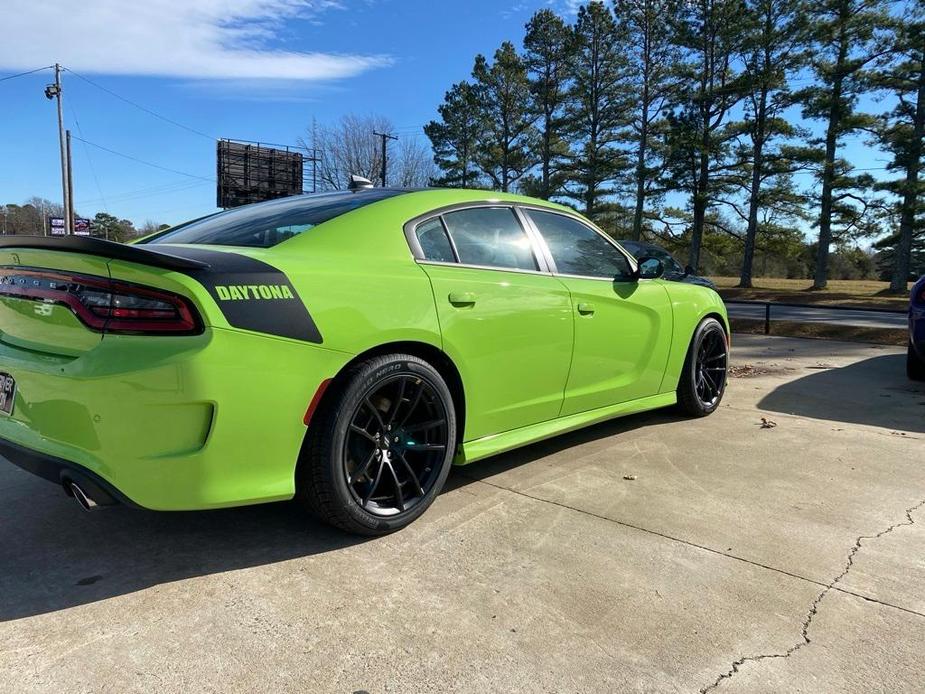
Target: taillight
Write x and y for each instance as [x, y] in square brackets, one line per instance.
[108, 306]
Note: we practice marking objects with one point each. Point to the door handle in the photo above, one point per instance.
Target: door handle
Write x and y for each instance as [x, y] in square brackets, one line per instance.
[586, 309]
[462, 298]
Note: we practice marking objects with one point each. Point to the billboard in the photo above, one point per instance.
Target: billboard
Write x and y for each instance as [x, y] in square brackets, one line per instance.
[82, 227]
[252, 172]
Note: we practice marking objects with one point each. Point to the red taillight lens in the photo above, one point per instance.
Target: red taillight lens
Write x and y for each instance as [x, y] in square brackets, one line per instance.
[105, 305]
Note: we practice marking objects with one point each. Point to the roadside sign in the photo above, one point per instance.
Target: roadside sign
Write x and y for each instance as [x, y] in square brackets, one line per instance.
[82, 226]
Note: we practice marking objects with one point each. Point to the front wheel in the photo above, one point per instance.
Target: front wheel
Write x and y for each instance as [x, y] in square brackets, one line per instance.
[381, 449]
[703, 378]
[915, 365]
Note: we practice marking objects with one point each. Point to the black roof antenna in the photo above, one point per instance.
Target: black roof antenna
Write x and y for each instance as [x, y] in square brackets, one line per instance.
[359, 183]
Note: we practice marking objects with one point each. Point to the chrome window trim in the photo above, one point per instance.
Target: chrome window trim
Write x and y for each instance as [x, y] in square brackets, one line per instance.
[584, 222]
[467, 266]
[410, 228]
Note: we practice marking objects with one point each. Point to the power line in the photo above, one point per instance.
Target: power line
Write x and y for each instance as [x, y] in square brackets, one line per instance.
[167, 189]
[83, 142]
[28, 72]
[146, 163]
[140, 107]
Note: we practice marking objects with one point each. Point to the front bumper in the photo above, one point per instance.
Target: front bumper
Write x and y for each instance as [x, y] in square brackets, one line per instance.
[167, 423]
[917, 329]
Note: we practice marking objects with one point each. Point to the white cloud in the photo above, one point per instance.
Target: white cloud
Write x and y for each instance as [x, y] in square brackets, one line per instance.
[224, 39]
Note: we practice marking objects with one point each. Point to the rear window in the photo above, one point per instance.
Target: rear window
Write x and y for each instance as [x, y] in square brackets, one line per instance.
[266, 224]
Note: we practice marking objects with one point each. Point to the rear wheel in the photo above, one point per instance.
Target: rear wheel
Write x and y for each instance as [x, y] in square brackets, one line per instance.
[703, 379]
[915, 365]
[381, 449]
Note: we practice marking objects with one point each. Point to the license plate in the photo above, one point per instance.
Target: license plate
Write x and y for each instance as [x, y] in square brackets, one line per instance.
[7, 393]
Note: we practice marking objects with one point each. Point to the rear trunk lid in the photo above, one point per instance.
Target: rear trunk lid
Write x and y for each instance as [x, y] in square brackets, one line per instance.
[47, 285]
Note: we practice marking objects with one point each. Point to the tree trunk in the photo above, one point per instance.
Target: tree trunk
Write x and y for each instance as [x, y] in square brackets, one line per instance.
[641, 168]
[903, 252]
[700, 198]
[751, 234]
[821, 277]
[754, 196]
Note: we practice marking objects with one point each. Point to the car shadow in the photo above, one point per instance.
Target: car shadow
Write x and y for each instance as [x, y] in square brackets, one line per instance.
[873, 392]
[54, 556]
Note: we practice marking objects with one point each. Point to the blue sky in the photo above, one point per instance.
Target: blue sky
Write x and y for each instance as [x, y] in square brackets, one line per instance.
[244, 69]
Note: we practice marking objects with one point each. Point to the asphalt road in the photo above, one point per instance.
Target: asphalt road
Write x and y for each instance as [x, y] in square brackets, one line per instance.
[778, 545]
[861, 318]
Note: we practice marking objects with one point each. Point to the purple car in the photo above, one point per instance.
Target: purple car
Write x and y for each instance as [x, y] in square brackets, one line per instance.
[915, 361]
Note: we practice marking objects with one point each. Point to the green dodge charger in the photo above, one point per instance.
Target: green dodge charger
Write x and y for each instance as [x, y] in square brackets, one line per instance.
[344, 349]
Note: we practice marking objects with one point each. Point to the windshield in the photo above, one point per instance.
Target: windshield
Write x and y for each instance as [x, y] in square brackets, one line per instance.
[266, 224]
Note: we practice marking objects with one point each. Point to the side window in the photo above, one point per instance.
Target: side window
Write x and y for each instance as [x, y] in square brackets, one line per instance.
[434, 241]
[578, 249]
[490, 236]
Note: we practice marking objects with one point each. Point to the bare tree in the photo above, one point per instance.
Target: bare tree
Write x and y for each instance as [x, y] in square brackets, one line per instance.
[349, 147]
[411, 164]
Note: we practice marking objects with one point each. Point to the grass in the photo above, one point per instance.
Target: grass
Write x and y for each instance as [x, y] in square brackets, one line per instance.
[823, 331]
[854, 293]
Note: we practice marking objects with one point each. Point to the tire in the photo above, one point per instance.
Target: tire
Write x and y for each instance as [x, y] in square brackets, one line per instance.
[915, 365]
[703, 378]
[368, 466]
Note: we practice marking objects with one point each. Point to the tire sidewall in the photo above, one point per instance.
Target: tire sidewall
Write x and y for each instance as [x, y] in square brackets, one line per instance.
[365, 380]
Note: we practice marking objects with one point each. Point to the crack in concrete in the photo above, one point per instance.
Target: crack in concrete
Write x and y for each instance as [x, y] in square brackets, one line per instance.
[689, 543]
[814, 608]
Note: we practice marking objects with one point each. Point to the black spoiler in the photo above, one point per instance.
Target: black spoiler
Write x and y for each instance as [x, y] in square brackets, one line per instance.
[104, 249]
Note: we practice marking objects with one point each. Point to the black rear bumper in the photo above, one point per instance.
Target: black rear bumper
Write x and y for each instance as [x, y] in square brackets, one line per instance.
[62, 471]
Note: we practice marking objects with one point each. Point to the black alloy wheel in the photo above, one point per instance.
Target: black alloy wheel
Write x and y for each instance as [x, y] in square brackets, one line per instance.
[712, 363]
[703, 379]
[396, 444]
[380, 447]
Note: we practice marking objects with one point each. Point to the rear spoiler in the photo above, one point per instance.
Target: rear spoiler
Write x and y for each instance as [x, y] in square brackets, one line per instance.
[104, 249]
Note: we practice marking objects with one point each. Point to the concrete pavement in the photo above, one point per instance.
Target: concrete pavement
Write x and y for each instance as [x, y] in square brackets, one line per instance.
[785, 555]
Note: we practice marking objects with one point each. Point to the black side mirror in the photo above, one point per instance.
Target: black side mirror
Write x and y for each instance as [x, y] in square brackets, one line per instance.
[649, 268]
[688, 270]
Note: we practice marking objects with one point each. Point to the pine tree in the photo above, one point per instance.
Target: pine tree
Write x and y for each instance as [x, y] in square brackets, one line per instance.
[847, 36]
[901, 134]
[710, 32]
[775, 50]
[547, 47]
[507, 136]
[645, 38]
[598, 107]
[455, 136]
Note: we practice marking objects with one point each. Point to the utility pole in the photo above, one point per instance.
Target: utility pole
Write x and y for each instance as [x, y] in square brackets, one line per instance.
[385, 138]
[53, 91]
[69, 210]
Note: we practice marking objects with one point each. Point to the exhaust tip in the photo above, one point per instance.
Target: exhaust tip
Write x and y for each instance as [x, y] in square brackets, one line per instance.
[84, 501]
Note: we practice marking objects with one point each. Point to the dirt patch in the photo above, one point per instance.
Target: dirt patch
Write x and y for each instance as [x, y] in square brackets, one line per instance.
[752, 370]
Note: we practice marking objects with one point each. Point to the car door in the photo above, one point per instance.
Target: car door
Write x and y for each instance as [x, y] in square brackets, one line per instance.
[506, 321]
[622, 325]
